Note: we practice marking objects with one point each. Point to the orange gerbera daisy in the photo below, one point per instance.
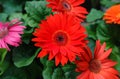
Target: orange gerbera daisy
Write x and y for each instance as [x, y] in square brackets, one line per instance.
[97, 67]
[60, 36]
[69, 6]
[112, 15]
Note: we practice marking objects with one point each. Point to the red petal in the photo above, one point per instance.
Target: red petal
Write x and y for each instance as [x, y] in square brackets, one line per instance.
[112, 70]
[54, 51]
[51, 56]
[77, 2]
[98, 76]
[87, 54]
[63, 60]
[97, 48]
[108, 63]
[42, 53]
[84, 75]
[105, 54]
[91, 75]
[100, 51]
[57, 59]
[82, 65]
[108, 75]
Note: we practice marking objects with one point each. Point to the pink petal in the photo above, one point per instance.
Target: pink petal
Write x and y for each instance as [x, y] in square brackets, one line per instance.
[16, 28]
[14, 34]
[13, 39]
[3, 44]
[1, 24]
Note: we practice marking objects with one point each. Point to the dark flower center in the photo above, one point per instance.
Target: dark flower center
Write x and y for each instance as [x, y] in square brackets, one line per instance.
[60, 38]
[3, 32]
[95, 66]
[66, 5]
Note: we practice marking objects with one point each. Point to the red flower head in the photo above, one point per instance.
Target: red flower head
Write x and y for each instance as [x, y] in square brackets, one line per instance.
[69, 6]
[112, 15]
[97, 67]
[60, 36]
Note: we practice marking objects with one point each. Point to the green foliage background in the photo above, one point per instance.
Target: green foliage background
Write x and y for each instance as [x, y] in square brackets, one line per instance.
[22, 63]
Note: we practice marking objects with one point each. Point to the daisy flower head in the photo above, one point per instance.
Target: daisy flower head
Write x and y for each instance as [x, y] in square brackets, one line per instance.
[61, 37]
[112, 15]
[10, 33]
[98, 66]
[71, 7]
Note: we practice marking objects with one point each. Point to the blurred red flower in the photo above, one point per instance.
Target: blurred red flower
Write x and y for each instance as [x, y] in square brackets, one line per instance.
[60, 36]
[97, 67]
[69, 6]
[112, 15]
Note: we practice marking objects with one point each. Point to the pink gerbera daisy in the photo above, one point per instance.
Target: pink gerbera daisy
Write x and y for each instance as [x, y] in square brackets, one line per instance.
[10, 33]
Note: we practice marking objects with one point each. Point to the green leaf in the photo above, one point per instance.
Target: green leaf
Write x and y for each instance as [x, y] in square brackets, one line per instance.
[3, 53]
[94, 15]
[68, 67]
[58, 74]
[4, 62]
[15, 15]
[91, 31]
[34, 70]
[11, 6]
[116, 58]
[3, 17]
[3, 67]
[26, 37]
[71, 74]
[107, 3]
[44, 60]
[69, 71]
[103, 33]
[50, 63]
[14, 73]
[37, 11]
[48, 68]
[24, 55]
[47, 73]
[32, 23]
[108, 33]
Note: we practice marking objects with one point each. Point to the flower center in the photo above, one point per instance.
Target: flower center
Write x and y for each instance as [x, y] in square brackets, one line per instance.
[66, 5]
[95, 66]
[60, 38]
[3, 32]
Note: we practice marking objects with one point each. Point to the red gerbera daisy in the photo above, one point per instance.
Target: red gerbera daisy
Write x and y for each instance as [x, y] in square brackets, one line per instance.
[60, 36]
[97, 67]
[69, 6]
[112, 15]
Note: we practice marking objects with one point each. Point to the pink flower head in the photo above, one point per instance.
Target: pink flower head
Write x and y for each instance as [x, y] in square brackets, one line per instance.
[10, 33]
